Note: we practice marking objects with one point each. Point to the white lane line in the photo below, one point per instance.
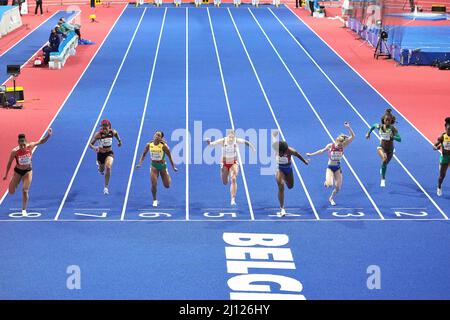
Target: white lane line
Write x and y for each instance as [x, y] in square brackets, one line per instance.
[150, 83]
[318, 116]
[360, 116]
[230, 220]
[273, 114]
[73, 88]
[367, 82]
[30, 33]
[225, 91]
[98, 118]
[187, 146]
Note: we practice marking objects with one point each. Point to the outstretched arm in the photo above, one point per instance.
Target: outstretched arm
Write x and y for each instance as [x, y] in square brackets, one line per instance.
[438, 143]
[8, 166]
[116, 134]
[396, 136]
[93, 140]
[374, 126]
[275, 141]
[213, 143]
[327, 147]
[352, 134]
[146, 149]
[247, 143]
[169, 155]
[43, 140]
[298, 155]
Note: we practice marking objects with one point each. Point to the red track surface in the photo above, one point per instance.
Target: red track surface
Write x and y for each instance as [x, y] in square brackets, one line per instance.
[421, 94]
[45, 90]
[29, 22]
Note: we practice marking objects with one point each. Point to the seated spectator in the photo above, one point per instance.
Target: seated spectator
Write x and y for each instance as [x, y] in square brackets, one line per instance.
[66, 27]
[61, 31]
[53, 44]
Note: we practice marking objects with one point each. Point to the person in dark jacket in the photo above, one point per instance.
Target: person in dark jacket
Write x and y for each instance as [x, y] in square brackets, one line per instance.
[53, 44]
[38, 5]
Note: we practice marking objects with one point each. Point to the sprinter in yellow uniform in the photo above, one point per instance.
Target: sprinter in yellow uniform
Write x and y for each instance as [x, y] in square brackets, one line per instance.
[443, 142]
[158, 150]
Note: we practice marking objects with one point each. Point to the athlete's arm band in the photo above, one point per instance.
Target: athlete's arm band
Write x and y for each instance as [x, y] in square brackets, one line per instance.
[373, 127]
[397, 138]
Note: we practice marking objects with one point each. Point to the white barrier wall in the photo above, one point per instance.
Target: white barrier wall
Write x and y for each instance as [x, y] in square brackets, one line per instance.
[9, 20]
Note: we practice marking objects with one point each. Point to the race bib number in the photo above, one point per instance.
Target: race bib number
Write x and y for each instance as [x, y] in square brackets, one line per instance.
[446, 145]
[106, 142]
[283, 160]
[336, 155]
[25, 160]
[385, 136]
[156, 156]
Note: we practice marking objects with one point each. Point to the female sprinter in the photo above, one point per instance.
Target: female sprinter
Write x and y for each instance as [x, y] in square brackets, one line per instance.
[158, 150]
[335, 154]
[388, 134]
[23, 169]
[105, 154]
[230, 167]
[444, 142]
[284, 174]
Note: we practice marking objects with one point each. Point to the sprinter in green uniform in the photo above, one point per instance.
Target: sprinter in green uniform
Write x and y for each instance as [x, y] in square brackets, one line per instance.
[158, 150]
[388, 133]
[443, 143]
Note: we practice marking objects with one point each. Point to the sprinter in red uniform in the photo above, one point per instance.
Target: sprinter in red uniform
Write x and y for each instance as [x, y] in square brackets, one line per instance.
[335, 154]
[23, 155]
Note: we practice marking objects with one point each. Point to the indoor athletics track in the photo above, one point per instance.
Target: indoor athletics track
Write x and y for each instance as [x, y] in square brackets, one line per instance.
[170, 69]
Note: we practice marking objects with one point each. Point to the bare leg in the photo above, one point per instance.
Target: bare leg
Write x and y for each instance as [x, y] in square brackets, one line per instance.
[27, 178]
[165, 178]
[224, 174]
[108, 167]
[442, 172]
[233, 177]
[14, 183]
[280, 182]
[337, 184]
[154, 179]
[328, 178]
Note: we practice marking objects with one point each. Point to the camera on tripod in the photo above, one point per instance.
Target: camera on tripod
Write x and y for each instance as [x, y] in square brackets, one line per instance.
[382, 43]
[8, 97]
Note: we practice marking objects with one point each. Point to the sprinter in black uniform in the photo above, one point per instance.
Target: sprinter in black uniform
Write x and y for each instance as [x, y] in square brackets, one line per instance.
[105, 154]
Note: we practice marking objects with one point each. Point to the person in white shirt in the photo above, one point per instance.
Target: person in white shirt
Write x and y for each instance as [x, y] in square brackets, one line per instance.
[230, 167]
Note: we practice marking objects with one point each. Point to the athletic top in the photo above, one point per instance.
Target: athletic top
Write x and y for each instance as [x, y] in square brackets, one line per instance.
[388, 135]
[106, 139]
[23, 157]
[156, 151]
[284, 160]
[385, 135]
[335, 155]
[444, 139]
[229, 151]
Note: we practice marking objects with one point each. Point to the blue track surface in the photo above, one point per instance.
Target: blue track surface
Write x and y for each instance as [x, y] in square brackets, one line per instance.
[21, 52]
[274, 73]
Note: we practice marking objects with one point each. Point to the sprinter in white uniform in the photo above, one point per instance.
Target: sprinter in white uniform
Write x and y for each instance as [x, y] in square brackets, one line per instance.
[230, 167]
